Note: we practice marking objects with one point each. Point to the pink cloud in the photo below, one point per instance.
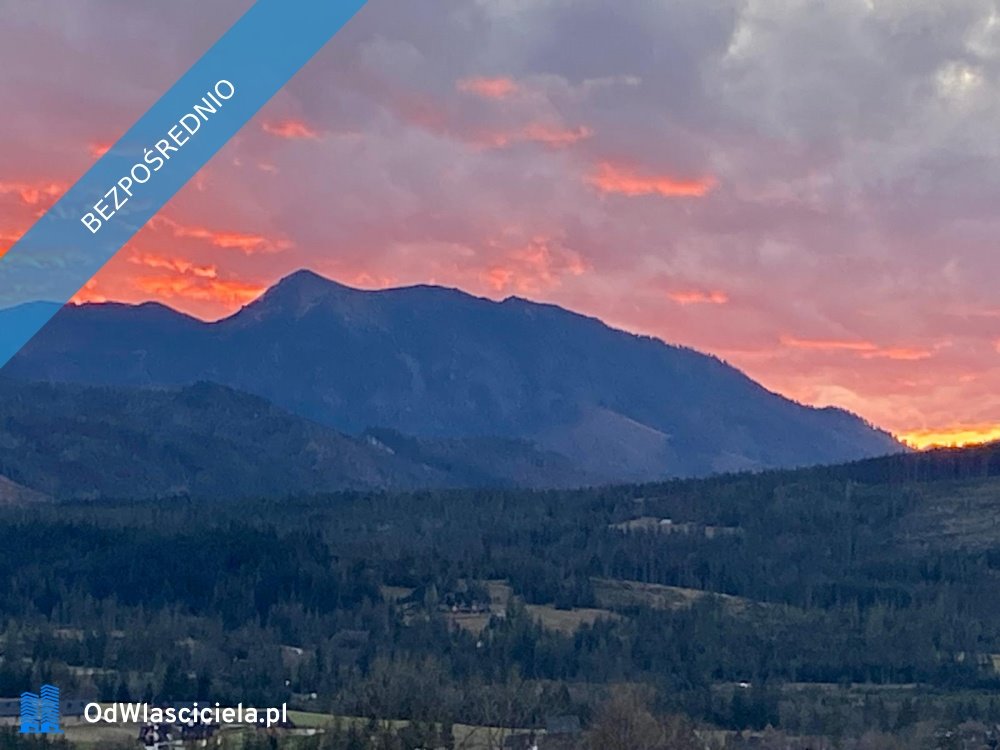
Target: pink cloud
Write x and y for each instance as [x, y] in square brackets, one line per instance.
[612, 178]
[246, 243]
[538, 266]
[866, 349]
[555, 136]
[290, 129]
[97, 150]
[488, 88]
[34, 193]
[828, 345]
[179, 265]
[698, 297]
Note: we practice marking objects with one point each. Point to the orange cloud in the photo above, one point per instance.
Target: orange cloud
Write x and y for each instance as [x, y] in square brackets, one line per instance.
[900, 353]
[248, 244]
[32, 194]
[97, 150]
[539, 265]
[611, 178]
[696, 297]
[951, 437]
[828, 345]
[367, 280]
[488, 88]
[89, 293]
[216, 291]
[178, 265]
[866, 349]
[291, 129]
[7, 240]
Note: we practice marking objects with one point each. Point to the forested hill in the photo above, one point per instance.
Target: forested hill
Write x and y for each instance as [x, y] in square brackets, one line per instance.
[441, 364]
[832, 601]
[942, 464]
[205, 440]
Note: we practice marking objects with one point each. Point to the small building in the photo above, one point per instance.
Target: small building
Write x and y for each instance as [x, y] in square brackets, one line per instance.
[10, 711]
[561, 733]
[563, 725]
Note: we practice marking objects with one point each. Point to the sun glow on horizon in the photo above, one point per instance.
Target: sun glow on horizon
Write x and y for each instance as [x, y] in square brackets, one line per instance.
[959, 436]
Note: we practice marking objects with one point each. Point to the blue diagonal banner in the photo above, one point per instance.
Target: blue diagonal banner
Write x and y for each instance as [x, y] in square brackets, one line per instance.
[157, 156]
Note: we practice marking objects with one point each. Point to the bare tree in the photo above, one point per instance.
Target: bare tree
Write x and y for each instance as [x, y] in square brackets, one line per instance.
[626, 723]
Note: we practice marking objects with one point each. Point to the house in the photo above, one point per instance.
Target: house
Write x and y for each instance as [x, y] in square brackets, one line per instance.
[10, 710]
[562, 733]
[563, 725]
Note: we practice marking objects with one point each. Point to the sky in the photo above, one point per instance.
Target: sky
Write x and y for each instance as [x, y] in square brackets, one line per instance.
[809, 190]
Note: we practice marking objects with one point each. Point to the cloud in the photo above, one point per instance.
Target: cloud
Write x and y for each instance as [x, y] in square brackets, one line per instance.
[866, 349]
[246, 243]
[829, 345]
[89, 293]
[611, 178]
[538, 266]
[290, 129]
[97, 150]
[554, 135]
[698, 297]
[551, 136]
[904, 354]
[218, 291]
[34, 193]
[179, 265]
[488, 88]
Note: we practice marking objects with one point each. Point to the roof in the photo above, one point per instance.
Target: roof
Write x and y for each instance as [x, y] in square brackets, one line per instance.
[563, 725]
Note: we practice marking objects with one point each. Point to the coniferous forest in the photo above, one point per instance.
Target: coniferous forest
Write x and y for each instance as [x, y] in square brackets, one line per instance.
[838, 604]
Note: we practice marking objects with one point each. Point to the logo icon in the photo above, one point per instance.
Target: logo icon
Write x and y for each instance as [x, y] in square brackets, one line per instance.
[40, 711]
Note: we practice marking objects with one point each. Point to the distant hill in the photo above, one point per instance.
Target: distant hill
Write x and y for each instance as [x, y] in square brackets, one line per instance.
[16, 321]
[440, 364]
[12, 493]
[207, 440]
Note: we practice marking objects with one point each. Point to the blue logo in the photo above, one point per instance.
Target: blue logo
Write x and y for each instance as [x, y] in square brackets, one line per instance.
[40, 711]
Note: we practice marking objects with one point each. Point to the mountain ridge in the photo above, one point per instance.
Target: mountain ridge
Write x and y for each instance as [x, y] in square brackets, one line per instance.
[439, 363]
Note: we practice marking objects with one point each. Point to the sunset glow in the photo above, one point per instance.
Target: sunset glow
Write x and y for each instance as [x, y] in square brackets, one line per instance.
[954, 437]
[751, 199]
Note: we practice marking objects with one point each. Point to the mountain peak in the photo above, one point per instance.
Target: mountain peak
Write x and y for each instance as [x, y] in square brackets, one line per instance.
[308, 282]
[302, 277]
[297, 294]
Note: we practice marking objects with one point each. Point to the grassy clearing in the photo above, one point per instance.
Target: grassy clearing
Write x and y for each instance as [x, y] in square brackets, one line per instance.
[619, 594]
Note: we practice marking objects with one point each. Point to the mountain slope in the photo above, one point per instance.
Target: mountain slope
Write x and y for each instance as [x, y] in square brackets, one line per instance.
[12, 493]
[439, 363]
[207, 440]
[203, 440]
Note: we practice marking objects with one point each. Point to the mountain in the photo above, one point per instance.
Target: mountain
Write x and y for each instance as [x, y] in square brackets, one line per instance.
[16, 321]
[206, 440]
[11, 493]
[437, 363]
